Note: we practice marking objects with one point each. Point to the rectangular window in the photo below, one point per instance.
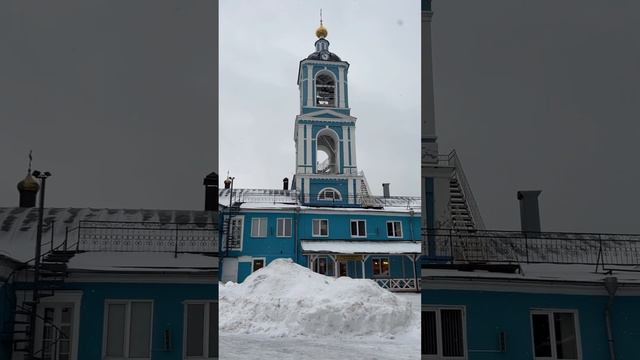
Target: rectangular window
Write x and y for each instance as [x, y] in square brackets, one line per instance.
[394, 229]
[259, 227]
[128, 329]
[443, 333]
[358, 228]
[380, 266]
[555, 335]
[201, 326]
[57, 331]
[284, 227]
[320, 265]
[320, 227]
[257, 264]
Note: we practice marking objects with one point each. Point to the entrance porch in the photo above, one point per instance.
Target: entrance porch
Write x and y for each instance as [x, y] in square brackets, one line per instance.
[392, 265]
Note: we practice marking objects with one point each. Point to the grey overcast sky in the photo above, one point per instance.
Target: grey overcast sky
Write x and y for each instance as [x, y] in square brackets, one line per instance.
[543, 95]
[116, 98]
[261, 45]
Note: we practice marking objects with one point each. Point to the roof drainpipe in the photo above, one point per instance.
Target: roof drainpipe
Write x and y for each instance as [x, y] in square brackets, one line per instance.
[611, 284]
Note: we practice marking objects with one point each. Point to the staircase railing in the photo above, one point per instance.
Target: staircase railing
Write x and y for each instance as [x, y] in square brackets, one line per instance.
[454, 161]
[365, 197]
[25, 266]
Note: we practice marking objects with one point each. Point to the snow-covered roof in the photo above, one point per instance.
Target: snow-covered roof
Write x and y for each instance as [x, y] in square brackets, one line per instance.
[361, 247]
[289, 199]
[18, 226]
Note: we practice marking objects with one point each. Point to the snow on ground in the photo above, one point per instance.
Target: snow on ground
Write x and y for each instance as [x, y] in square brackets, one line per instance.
[286, 311]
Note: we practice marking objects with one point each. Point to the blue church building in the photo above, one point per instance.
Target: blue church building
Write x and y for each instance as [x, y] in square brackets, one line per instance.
[109, 283]
[328, 220]
[528, 294]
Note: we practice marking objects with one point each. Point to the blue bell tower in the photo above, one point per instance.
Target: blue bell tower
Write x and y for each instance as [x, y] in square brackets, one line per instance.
[324, 134]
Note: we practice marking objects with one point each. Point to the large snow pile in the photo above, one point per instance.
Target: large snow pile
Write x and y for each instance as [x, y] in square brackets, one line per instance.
[286, 299]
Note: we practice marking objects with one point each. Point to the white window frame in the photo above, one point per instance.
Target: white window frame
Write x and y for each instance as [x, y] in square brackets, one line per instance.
[351, 228]
[323, 197]
[316, 265]
[240, 219]
[437, 309]
[127, 320]
[552, 332]
[264, 262]
[319, 228]
[61, 296]
[395, 233]
[260, 220]
[283, 221]
[207, 328]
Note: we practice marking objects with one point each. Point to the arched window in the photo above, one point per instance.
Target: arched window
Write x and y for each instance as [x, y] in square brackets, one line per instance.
[329, 194]
[325, 90]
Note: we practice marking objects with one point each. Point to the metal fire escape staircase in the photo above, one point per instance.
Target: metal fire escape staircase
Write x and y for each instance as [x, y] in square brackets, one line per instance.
[52, 272]
[365, 195]
[231, 242]
[463, 209]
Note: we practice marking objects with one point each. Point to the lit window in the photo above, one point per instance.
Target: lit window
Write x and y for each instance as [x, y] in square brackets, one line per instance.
[554, 335]
[128, 330]
[380, 266]
[358, 228]
[259, 227]
[257, 264]
[325, 90]
[201, 326]
[320, 227]
[394, 229]
[329, 194]
[283, 228]
[443, 333]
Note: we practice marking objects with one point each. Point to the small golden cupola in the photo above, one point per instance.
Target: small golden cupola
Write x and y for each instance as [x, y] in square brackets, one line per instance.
[28, 188]
[321, 32]
[29, 184]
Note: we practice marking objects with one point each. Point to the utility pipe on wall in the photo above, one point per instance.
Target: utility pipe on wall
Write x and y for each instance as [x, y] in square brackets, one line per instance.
[611, 284]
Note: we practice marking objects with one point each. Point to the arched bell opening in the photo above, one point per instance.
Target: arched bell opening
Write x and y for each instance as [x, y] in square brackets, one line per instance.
[327, 152]
[325, 89]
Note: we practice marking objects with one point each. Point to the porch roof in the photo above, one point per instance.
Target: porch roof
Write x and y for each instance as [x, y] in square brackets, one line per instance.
[361, 247]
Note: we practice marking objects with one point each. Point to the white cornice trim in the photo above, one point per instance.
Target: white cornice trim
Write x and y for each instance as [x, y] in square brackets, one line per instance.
[524, 286]
[314, 115]
[154, 278]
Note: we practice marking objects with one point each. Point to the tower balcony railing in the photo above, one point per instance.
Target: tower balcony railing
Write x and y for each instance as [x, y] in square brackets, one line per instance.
[325, 167]
[494, 246]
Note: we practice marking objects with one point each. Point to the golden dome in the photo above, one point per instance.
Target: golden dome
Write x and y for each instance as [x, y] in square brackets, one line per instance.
[321, 32]
[29, 184]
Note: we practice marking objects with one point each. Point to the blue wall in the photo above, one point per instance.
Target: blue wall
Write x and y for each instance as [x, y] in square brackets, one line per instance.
[168, 311]
[273, 247]
[488, 313]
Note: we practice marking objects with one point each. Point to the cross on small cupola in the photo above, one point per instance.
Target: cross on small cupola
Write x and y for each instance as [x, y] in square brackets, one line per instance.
[321, 32]
[322, 44]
